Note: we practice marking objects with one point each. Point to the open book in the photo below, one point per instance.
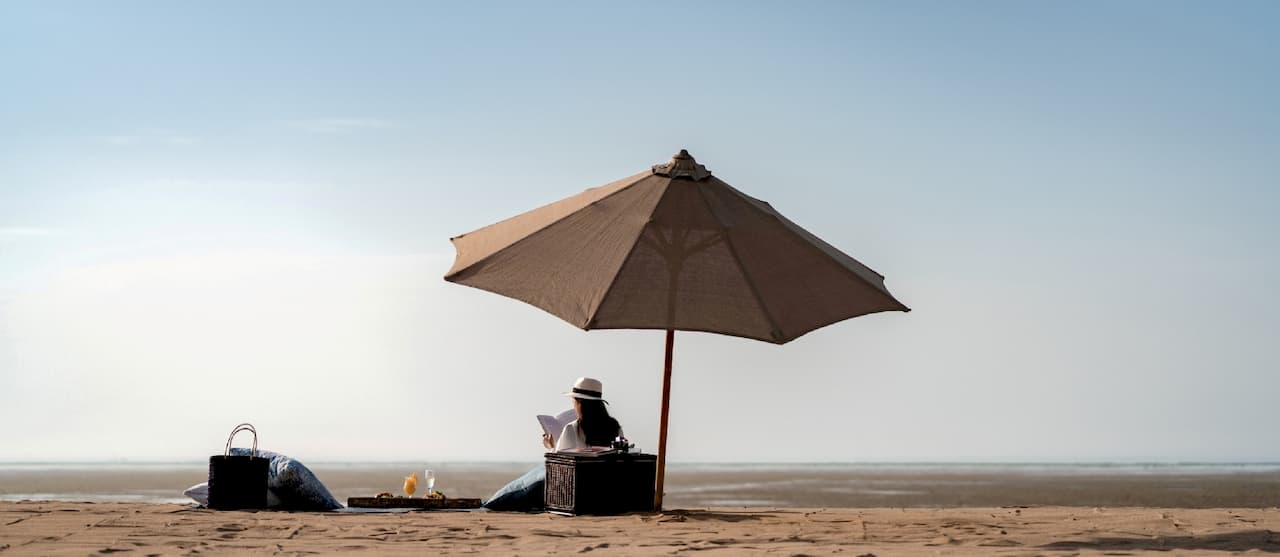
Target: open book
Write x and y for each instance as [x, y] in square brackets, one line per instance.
[554, 425]
[590, 450]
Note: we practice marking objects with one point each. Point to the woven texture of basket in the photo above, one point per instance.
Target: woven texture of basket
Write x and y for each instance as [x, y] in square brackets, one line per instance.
[238, 482]
[612, 483]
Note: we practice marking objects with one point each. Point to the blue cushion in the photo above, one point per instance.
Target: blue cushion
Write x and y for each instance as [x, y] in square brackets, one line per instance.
[521, 494]
[293, 484]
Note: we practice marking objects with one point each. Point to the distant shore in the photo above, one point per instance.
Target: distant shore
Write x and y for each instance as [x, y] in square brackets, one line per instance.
[35, 528]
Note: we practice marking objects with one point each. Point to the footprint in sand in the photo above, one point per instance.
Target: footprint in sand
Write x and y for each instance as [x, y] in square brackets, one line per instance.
[943, 540]
[557, 534]
[1000, 543]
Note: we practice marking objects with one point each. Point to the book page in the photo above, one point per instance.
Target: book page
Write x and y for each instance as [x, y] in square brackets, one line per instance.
[554, 425]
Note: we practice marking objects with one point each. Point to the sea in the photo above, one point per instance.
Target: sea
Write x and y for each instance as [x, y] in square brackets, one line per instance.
[700, 485]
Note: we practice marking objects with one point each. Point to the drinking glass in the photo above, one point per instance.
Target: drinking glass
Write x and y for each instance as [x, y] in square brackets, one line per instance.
[410, 484]
[429, 481]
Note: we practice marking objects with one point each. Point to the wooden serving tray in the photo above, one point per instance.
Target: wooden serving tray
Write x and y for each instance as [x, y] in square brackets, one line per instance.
[411, 503]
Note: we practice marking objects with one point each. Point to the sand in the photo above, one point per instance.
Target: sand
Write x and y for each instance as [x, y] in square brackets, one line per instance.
[44, 528]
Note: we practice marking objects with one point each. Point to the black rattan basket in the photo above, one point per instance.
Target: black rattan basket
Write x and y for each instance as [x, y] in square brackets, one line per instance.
[238, 482]
[599, 484]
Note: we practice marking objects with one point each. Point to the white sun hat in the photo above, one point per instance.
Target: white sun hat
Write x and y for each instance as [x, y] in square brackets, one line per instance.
[587, 388]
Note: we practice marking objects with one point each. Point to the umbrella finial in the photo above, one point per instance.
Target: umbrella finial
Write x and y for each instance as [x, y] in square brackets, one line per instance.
[682, 165]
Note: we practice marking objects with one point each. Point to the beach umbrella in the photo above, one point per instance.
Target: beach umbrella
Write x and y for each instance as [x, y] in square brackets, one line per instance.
[672, 248]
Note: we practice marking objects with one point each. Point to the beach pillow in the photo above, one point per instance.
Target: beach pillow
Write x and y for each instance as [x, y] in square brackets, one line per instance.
[521, 494]
[200, 494]
[292, 485]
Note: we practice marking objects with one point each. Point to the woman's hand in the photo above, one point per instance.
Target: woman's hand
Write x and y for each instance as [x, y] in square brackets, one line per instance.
[546, 441]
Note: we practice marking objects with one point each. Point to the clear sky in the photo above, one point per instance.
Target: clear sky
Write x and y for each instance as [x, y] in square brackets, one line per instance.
[228, 211]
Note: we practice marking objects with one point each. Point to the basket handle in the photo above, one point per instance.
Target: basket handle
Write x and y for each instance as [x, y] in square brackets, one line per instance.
[242, 427]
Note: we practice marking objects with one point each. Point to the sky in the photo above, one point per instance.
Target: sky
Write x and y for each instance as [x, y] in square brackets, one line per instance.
[239, 211]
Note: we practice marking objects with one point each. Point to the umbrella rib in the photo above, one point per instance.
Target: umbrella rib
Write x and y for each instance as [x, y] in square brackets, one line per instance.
[808, 240]
[775, 331]
[526, 237]
[591, 317]
[710, 241]
[653, 244]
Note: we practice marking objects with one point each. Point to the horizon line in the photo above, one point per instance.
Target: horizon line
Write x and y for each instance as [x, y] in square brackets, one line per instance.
[707, 463]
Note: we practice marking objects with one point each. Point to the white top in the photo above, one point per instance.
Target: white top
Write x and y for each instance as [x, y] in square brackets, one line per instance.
[573, 438]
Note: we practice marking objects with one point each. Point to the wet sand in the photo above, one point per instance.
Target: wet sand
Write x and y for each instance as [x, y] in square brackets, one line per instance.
[36, 528]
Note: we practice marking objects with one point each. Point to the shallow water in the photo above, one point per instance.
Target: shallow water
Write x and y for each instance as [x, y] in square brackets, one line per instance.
[706, 485]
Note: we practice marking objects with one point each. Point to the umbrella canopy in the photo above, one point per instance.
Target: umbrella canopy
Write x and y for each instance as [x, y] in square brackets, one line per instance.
[671, 248]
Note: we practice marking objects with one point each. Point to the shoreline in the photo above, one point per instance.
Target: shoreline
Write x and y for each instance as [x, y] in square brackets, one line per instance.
[714, 487]
[45, 528]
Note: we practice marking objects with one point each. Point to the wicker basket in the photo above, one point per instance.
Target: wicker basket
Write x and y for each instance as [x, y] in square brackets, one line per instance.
[238, 482]
[599, 484]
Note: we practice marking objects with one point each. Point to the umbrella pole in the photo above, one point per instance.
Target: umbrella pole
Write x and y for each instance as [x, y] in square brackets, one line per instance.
[662, 431]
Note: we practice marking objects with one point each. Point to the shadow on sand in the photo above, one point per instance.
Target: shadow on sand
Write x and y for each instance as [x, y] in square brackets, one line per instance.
[1244, 540]
[680, 515]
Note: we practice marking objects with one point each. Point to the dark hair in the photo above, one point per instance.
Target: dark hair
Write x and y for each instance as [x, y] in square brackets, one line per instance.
[597, 426]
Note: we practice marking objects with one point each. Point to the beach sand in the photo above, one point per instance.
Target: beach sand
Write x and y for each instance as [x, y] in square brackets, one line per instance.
[44, 528]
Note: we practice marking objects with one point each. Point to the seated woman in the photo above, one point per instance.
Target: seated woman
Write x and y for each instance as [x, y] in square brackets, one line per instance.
[593, 428]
